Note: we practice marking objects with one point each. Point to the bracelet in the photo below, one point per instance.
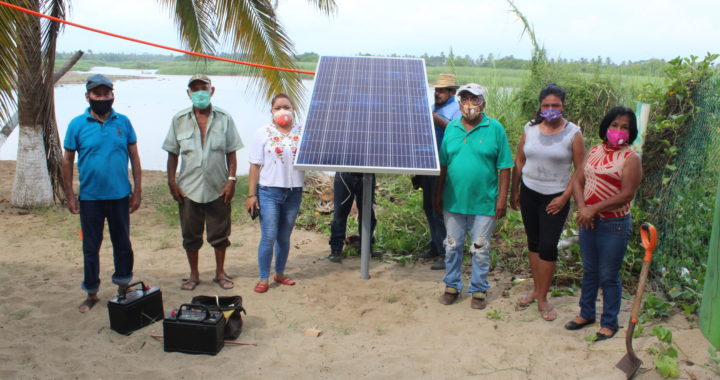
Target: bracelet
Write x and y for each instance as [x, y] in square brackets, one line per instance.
[251, 195]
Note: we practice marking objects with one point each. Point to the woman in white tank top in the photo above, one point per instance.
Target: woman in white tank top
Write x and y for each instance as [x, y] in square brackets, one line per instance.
[542, 186]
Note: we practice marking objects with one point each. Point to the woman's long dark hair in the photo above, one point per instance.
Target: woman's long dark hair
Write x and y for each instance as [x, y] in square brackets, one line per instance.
[550, 89]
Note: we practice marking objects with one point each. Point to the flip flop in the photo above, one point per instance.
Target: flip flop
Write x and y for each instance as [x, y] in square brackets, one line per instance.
[261, 288]
[549, 314]
[224, 283]
[189, 284]
[525, 301]
[286, 281]
[88, 303]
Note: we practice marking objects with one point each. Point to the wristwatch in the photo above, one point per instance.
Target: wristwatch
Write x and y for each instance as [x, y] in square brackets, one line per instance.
[234, 179]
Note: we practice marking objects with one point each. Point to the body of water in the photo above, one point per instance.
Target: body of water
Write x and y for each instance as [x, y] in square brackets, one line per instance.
[150, 103]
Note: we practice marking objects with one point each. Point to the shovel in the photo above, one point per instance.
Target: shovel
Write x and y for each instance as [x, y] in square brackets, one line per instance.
[630, 362]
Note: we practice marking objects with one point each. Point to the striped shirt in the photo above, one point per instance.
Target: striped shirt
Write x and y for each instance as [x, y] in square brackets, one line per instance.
[603, 177]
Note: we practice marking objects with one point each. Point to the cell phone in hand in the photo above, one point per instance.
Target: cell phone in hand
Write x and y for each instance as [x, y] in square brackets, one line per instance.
[255, 212]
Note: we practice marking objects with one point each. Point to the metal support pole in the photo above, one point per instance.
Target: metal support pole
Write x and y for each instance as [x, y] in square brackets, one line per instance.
[365, 242]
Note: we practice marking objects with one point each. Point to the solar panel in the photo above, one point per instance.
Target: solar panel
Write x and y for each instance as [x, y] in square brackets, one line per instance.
[369, 115]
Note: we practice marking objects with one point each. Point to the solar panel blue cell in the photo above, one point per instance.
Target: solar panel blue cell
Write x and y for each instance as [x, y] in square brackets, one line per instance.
[369, 115]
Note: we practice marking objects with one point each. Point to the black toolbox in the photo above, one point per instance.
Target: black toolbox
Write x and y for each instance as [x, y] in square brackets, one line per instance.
[135, 309]
[193, 329]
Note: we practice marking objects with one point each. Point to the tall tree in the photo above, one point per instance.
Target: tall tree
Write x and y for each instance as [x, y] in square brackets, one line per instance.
[249, 27]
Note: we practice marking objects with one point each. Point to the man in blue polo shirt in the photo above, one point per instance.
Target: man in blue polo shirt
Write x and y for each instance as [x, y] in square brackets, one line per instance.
[444, 110]
[475, 164]
[105, 141]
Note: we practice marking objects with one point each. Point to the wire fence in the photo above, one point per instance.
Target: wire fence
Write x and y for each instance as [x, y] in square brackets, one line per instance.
[685, 212]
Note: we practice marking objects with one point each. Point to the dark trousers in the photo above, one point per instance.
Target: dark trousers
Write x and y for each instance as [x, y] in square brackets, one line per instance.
[92, 222]
[543, 230]
[435, 220]
[348, 187]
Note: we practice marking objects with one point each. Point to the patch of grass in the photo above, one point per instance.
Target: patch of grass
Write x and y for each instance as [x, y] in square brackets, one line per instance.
[495, 315]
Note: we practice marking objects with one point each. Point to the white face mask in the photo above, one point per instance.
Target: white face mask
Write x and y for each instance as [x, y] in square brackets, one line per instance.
[282, 117]
[471, 111]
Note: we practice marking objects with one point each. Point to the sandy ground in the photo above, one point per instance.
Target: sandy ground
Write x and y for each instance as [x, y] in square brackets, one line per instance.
[388, 327]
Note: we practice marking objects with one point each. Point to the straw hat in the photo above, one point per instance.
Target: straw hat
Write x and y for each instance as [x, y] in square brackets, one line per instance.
[446, 81]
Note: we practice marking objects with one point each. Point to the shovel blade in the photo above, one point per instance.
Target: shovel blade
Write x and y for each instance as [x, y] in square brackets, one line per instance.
[629, 364]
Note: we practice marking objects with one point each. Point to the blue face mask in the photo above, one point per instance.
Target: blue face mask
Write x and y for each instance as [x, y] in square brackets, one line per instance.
[551, 114]
[200, 99]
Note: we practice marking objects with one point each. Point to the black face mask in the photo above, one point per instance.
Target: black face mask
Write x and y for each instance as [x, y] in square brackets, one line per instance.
[101, 107]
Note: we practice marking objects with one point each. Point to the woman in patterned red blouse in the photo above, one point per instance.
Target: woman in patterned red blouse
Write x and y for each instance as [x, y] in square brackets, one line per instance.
[603, 191]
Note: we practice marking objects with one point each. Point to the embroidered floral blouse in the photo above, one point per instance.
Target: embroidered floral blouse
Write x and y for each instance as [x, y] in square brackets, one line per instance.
[275, 152]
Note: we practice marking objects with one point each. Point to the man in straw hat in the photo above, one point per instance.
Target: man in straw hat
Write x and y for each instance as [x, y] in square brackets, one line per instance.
[445, 109]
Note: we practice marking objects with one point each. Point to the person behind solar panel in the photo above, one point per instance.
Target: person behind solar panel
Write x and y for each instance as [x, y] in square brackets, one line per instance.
[475, 164]
[207, 139]
[275, 189]
[104, 141]
[348, 188]
[445, 109]
[541, 188]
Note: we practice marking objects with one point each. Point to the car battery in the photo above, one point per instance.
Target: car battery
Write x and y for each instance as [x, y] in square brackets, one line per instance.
[135, 309]
[193, 329]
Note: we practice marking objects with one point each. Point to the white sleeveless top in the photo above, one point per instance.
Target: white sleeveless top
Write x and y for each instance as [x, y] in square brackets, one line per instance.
[548, 158]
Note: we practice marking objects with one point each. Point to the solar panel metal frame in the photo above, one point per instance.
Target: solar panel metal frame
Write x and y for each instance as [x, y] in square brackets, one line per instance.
[372, 169]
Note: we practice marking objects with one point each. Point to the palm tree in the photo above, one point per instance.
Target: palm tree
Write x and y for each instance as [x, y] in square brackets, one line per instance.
[249, 27]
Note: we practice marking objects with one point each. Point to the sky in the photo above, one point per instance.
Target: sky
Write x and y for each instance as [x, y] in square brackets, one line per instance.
[623, 30]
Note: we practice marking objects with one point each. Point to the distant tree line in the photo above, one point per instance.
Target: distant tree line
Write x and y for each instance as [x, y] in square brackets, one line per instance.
[597, 64]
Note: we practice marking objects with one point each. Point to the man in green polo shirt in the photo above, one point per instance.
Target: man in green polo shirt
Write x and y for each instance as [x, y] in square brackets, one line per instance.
[475, 162]
[206, 138]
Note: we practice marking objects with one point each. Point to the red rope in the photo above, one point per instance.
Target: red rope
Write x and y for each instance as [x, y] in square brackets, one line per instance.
[21, 9]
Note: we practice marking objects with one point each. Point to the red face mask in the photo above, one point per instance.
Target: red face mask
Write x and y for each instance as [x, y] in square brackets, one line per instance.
[282, 118]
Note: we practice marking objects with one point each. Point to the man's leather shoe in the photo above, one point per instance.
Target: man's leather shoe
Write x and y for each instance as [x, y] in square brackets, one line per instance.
[335, 256]
[478, 301]
[450, 296]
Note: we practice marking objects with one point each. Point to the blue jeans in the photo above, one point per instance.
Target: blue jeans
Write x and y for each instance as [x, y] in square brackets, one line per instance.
[279, 207]
[92, 222]
[346, 188]
[435, 219]
[602, 249]
[480, 228]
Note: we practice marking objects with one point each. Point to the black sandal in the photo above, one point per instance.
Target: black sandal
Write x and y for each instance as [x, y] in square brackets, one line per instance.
[572, 325]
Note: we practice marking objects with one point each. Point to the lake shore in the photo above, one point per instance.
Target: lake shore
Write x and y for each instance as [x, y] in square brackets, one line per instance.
[388, 327]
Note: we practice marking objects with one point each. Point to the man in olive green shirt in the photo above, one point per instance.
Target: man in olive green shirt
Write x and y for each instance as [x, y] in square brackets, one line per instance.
[207, 139]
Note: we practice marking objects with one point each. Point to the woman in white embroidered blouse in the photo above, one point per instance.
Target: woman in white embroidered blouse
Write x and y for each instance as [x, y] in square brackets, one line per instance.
[275, 189]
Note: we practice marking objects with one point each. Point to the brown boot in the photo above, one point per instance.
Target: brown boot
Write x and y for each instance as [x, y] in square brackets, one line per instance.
[450, 296]
[478, 301]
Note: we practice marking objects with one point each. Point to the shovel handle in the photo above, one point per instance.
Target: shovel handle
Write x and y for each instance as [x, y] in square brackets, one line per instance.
[648, 235]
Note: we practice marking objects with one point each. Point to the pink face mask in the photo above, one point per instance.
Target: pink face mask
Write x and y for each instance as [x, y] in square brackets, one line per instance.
[617, 137]
[282, 117]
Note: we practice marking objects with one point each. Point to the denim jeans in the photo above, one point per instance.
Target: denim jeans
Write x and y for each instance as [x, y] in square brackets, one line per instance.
[92, 222]
[435, 220]
[279, 207]
[602, 249]
[480, 228]
[348, 187]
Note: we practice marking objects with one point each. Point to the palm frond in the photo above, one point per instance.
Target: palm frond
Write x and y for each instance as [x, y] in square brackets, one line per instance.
[326, 6]
[9, 24]
[252, 30]
[196, 23]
